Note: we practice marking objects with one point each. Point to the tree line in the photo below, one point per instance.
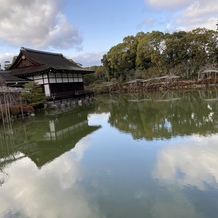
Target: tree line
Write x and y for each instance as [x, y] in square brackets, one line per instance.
[155, 53]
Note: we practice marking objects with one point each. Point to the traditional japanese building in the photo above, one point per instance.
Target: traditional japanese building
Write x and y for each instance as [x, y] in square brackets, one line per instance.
[59, 77]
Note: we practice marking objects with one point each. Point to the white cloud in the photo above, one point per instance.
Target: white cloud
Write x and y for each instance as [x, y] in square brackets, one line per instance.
[5, 57]
[187, 15]
[199, 14]
[167, 3]
[64, 29]
[89, 59]
[193, 163]
[38, 24]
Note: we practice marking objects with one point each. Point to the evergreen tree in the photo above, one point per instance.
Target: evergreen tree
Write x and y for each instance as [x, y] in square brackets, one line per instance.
[34, 95]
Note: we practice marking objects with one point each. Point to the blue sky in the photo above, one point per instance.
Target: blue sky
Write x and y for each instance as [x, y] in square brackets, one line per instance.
[85, 30]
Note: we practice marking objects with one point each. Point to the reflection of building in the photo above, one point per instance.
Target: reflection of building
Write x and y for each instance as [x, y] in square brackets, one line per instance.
[46, 139]
[62, 135]
[55, 135]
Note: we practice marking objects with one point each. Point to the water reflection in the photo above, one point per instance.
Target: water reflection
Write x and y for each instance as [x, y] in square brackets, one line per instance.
[52, 192]
[154, 155]
[182, 129]
[164, 115]
[186, 169]
[191, 163]
[44, 138]
[33, 188]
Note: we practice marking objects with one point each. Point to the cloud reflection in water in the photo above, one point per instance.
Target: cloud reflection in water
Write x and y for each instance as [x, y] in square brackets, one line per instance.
[53, 191]
[191, 163]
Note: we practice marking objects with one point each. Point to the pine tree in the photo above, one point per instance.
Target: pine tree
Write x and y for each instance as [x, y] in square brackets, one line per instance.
[34, 94]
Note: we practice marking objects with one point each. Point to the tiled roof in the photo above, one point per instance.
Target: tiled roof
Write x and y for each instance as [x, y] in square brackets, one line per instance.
[8, 78]
[44, 61]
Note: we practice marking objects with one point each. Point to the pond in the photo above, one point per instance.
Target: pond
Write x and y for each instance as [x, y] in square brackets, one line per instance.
[152, 155]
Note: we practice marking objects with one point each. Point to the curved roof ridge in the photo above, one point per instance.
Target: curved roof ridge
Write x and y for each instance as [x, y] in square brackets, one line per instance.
[39, 51]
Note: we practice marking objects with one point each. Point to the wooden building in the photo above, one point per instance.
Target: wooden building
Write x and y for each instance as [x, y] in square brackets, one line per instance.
[59, 77]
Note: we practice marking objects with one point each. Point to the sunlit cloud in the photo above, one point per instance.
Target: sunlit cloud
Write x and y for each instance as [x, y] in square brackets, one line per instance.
[187, 15]
[38, 24]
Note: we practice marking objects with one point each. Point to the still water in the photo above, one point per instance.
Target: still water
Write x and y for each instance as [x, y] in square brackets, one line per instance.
[135, 156]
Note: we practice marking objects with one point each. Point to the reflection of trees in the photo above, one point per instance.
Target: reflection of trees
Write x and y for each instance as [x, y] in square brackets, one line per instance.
[163, 116]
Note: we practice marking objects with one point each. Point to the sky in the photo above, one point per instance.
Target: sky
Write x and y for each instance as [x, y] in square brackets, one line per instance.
[85, 30]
